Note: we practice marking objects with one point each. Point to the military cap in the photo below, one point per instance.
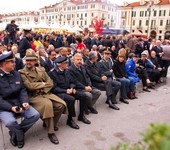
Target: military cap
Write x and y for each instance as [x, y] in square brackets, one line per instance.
[61, 59]
[6, 56]
[27, 31]
[107, 51]
[30, 55]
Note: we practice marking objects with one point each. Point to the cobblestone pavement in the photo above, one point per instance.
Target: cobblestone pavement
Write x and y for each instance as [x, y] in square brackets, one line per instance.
[108, 126]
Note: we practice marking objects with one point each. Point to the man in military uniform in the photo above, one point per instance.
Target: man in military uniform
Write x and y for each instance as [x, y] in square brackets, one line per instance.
[106, 65]
[14, 101]
[66, 88]
[39, 84]
[24, 43]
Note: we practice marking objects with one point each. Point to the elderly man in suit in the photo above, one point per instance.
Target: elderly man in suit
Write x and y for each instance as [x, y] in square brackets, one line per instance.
[84, 84]
[38, 85]
[99, 80]
[14, 101]
[66, 88]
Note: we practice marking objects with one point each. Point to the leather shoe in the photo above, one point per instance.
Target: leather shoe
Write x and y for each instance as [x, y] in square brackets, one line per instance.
[86, 111]
[124, 101]
[93, 110]
[44, 125]
[84, 119]
[146, 90]
[113, 106]
[72, 124]
[56, 128]
[20, 144]
[53, 138]
[13, 139]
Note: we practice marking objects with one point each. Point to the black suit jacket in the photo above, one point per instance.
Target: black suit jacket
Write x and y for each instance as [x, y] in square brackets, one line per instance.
[81, 77]
[23, 46]
[48, 66]
[42, 62]
[18, 64]
[94, 72]
[138, 49]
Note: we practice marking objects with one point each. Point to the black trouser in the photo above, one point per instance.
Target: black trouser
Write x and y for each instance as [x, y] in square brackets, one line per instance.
[111, 87]
[165, 64]
[70, 100]
[143, 76]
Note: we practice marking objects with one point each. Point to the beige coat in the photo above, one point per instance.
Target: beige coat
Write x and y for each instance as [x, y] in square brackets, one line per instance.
[39, 84]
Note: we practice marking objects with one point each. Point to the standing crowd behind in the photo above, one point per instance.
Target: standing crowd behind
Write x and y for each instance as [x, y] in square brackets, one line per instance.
[43, 75]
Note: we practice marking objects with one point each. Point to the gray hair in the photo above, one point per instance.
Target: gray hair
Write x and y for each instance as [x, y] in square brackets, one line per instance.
[77, 55]
[92, 54]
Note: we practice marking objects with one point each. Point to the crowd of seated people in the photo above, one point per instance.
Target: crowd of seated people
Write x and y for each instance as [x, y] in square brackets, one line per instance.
[56, 70]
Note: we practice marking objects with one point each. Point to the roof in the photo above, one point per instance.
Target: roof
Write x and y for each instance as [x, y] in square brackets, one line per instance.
[135, 4]
[77, 2]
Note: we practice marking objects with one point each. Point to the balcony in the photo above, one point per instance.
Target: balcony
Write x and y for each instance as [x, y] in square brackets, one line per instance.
[153, 27]
[167, 27]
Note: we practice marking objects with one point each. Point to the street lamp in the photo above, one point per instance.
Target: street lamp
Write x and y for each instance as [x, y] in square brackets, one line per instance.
[149, 15]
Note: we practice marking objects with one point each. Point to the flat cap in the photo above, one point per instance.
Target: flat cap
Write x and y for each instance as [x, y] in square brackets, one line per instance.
[6, 56]
[61, 59]
[145, 52]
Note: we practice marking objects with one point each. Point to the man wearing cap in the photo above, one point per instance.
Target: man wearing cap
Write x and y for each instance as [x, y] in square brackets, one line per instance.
[65, 88]
[105, 65]
[78, 72]
[24, 43]
[38, 85]
[14, 101]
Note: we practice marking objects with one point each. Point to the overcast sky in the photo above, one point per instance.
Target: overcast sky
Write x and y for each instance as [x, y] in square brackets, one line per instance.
[7, 6]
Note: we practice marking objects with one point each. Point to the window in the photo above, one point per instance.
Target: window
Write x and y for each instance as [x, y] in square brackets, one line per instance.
[92, 14]
[85, 22]
[160, 31]
[81, 15]
[141, 13]
[133, 13]
[85, 14]
[146, 31]
[160, 37]
[147, 22]
[161, 22]
[133, 23]
[140, 22]
[162, 12]
[77, 15]
[77, 22]
[167, 22]
[146, 13]
[154, 13]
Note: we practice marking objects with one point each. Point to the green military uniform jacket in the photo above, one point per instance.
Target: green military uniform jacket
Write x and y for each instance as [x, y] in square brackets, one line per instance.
[39, 84]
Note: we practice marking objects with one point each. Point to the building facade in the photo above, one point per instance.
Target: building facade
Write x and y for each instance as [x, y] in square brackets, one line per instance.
[79, 12]
[151, 17]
